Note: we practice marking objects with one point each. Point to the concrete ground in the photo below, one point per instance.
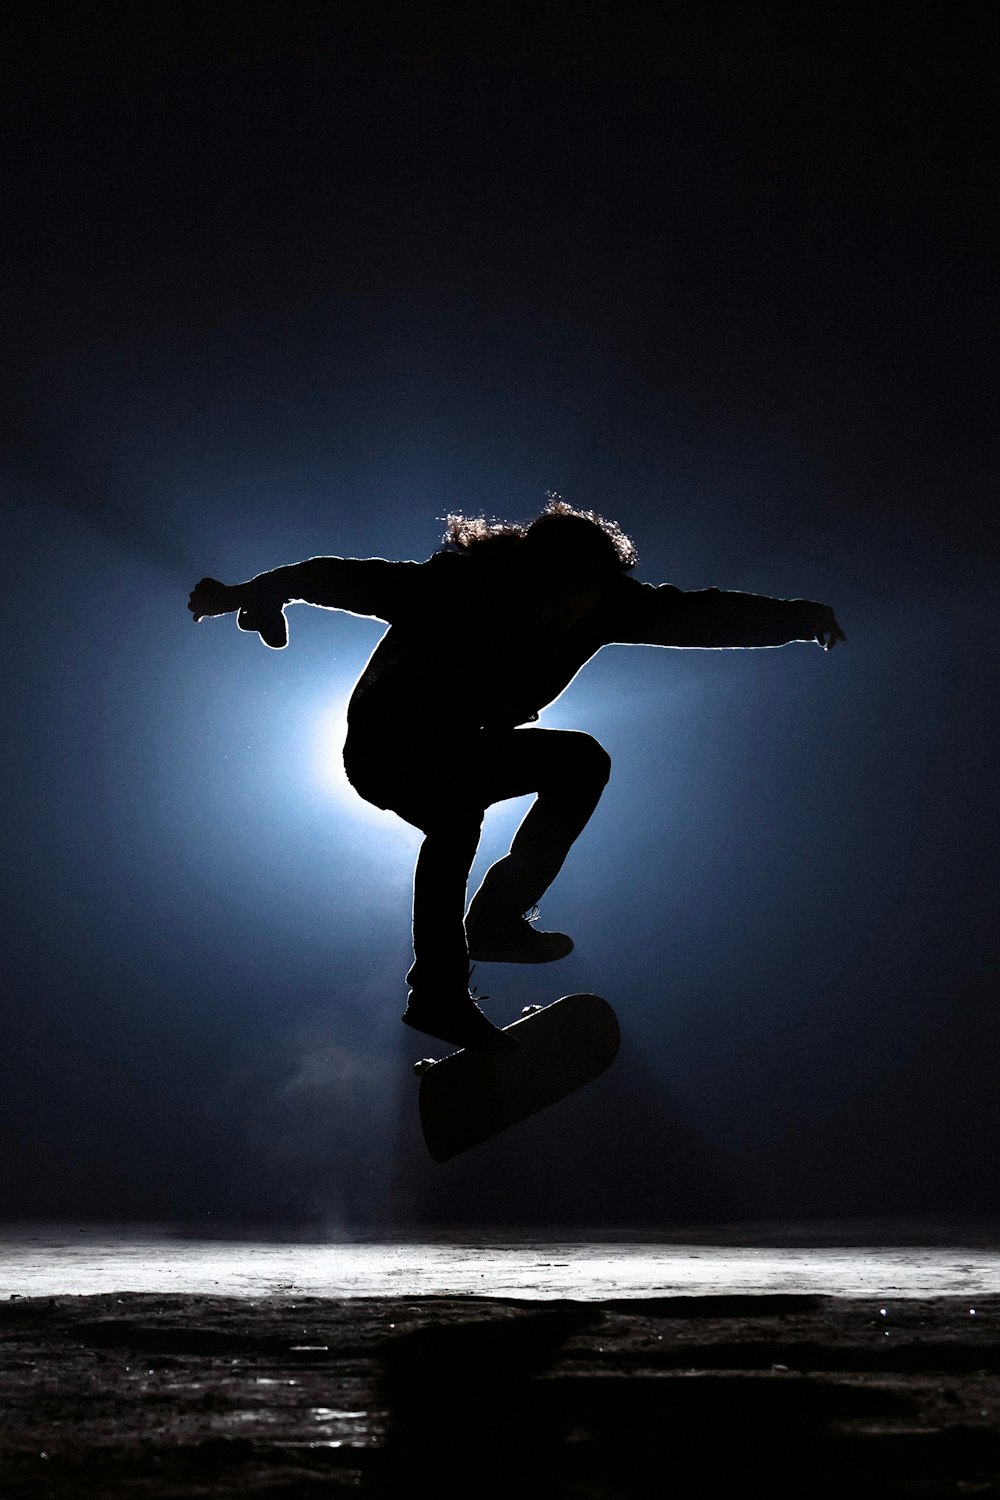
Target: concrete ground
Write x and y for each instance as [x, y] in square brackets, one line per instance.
[820, 1360]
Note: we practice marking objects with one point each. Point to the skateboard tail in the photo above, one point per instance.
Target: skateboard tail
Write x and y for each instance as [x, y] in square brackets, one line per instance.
[470, 1097]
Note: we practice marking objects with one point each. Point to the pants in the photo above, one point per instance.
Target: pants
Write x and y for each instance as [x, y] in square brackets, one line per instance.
[446, 796]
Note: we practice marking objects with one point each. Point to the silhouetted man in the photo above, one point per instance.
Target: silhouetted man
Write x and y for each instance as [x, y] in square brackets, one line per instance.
[481, 637]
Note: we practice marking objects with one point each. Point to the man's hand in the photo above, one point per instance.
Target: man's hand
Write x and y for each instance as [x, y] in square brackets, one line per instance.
[824, 625]
[210, 597]
[269, 622]
[266, 617]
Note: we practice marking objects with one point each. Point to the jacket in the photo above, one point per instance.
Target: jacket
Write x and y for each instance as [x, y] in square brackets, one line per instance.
[466, 650]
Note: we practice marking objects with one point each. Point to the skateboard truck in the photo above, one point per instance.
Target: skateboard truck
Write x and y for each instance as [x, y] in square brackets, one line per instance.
[422, 1064]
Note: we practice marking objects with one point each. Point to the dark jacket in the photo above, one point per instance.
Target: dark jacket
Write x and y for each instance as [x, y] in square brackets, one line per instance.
[466, 649]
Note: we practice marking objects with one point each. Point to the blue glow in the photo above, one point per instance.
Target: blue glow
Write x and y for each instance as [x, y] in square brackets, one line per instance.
[294, 322]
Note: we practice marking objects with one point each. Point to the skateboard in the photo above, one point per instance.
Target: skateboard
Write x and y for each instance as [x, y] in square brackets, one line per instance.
[469, 1097]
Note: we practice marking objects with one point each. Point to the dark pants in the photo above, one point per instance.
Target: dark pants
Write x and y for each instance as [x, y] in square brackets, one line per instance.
[446, 793]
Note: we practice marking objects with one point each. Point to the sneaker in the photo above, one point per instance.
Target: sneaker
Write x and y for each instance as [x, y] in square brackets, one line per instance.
[518, 943]
[458, 1021]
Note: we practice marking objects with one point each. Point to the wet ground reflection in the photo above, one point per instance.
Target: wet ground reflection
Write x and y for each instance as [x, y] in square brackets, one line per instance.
[851, 1260]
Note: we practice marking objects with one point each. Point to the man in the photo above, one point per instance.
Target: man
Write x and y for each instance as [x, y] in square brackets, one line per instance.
[481, 637]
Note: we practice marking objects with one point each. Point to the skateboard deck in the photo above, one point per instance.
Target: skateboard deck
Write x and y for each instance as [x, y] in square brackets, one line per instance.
[469, 1097]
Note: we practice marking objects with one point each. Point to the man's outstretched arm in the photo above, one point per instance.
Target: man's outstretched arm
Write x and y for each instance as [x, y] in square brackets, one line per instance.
[719, 618]
[360, 586]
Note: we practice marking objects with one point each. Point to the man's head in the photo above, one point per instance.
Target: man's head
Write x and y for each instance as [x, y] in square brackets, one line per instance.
[577, 549]
[562, 551]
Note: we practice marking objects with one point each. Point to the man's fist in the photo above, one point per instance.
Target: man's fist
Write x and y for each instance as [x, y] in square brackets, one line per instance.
[210, 597]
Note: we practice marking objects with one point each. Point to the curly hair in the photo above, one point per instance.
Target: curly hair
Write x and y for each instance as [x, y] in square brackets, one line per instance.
[559, 531]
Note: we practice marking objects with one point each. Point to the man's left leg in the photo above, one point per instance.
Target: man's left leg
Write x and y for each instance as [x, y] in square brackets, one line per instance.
[569, 771]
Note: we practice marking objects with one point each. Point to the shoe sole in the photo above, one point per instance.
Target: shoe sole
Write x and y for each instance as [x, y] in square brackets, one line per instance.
[483, 1037]
[529, 955]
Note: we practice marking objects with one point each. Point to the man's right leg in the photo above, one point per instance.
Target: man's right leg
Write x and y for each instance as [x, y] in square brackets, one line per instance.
[440, 951]
[440, 1004]
[423, 785]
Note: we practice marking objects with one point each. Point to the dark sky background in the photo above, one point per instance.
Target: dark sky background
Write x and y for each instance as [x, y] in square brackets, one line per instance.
[304, 286]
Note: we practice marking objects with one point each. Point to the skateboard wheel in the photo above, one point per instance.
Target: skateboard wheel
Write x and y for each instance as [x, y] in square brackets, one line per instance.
[421, 1067]
[529, 1010]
